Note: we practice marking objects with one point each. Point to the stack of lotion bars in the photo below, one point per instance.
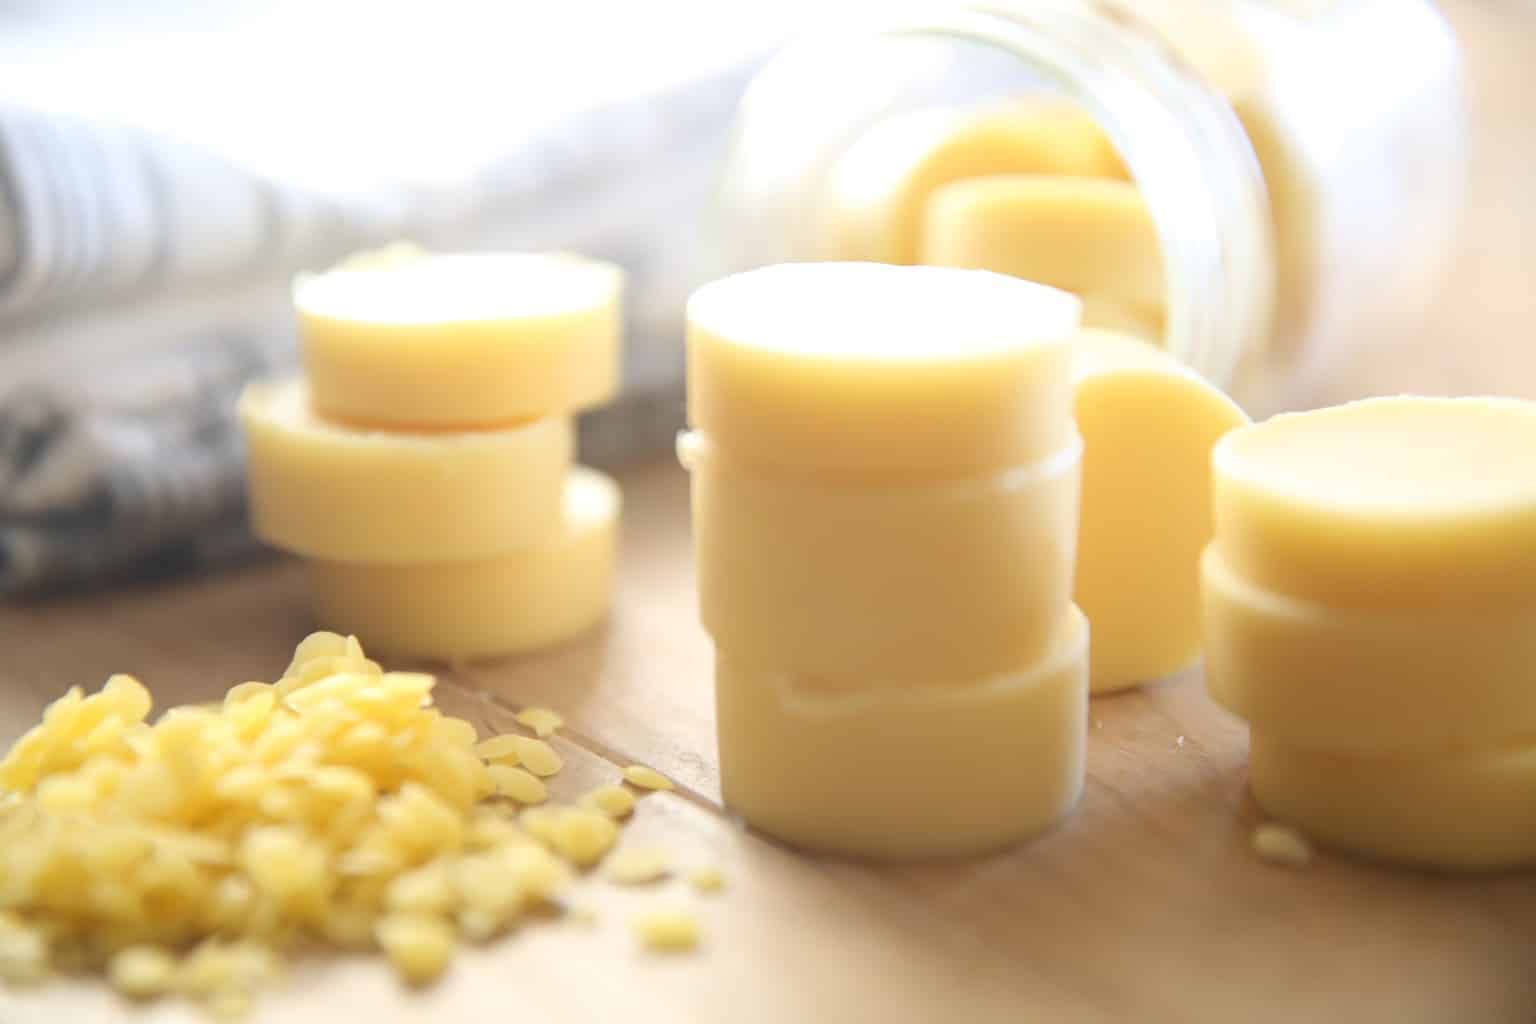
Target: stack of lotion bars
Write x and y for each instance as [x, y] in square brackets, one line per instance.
[424, 463]
[1370, 606]
[902, 477]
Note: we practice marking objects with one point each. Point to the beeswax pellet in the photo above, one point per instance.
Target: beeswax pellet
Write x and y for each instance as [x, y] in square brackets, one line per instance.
[1148, 425]
[1386, 503]
[614, 801]
[667, 930]
[419, 945]
[519, 601]
[542, 721]
[906, 773]
[518, 783]
[466, 340]
[860, 588]
[647, 778]
[1280, 844]
[354, 495]
[637, 865]
[855, 372]
[142, 972]
[537, 756]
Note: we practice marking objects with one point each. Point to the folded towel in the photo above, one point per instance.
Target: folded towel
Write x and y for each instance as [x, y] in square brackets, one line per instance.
[135, 463]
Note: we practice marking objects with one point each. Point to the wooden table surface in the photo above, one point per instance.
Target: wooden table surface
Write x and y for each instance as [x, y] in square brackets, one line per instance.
[1147, 904]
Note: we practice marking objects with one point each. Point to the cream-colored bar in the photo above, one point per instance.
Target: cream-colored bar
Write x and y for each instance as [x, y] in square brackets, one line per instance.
[1368, 680]
[1468, 811]
[1397, 502]
[859, 588]
[877, 189]
[416, 340]
[1148, 424]
[1090, 236]
[357, 495]
[924, 772]
[514, 602]
[858, 372]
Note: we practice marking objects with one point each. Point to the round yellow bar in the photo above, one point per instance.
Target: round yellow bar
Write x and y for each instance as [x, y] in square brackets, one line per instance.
[1470, 811]
[1367, 681]
[1386, 503]
[942, 771]
[519, 601]
[1089, 236]
[878, 188]
[460, 341]
[355, 495]
[863, 372]
[856, 588]
[1148, 425]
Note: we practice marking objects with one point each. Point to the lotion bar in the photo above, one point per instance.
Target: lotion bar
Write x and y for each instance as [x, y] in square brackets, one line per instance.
[879, 187]
[1089, 236]
[917, 772]
[1367, 680]
[356, 495]
[1148, 425]
[1386, 503]
[854, 588]
[1473, 810]
[460, 341]
[858, 372]
[513, 602]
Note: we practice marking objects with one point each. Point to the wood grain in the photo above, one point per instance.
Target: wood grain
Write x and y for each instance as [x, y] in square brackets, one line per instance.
[1146, 905]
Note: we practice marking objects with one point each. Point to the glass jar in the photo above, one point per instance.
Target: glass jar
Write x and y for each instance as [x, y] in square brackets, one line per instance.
[1302, 160]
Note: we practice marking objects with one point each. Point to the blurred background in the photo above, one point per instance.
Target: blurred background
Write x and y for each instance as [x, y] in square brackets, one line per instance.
[166, 167]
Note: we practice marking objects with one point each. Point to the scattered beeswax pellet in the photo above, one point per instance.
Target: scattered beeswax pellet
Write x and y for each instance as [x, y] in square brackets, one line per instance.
[579, 835]
[614, 801]
[142, 972]
[518, 783]
[707, 879]
[499, 748]
[637, 865]
[419, 945]
[337, 804]
[1281, 844]
[542, 721]
[646, 778]
[537, 756]
[667, 930]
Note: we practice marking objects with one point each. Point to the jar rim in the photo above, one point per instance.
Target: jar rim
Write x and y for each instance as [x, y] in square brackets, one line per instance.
[1179, 137]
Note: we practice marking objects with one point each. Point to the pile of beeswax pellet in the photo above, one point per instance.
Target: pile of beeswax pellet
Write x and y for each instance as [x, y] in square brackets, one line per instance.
[334, 806]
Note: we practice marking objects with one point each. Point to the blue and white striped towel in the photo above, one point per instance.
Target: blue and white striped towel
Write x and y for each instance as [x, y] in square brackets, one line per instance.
[115, 466]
